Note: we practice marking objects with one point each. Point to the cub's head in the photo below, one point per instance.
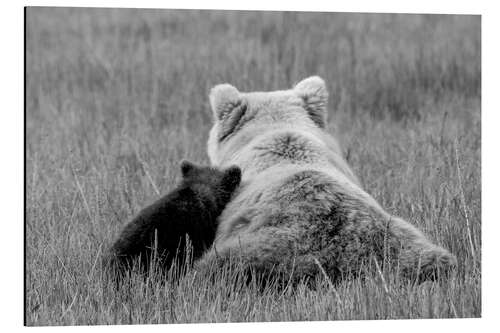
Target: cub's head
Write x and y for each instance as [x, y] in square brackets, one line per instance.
[212, 181]
[240, 116]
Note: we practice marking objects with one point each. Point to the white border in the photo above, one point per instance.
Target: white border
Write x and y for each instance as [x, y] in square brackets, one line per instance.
[426, 6]
[12, 163]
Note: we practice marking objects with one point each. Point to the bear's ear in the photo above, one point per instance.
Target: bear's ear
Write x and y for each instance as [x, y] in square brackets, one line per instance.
[315, 96]
[228, 107]
[231, 178]
[187, 167]
[223, 99]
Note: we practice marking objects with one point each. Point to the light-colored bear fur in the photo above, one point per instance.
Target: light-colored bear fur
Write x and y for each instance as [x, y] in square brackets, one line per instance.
[300, 205]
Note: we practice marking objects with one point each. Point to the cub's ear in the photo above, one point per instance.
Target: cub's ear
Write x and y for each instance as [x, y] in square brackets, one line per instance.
[315, 96]
[223, 99]
[231, 178]
[187, 167]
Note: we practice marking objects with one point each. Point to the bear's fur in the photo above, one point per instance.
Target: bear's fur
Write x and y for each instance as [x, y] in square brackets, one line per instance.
[190, 210]
[300, 209]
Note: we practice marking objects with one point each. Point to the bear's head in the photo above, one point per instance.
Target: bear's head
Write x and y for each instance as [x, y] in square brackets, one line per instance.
[214, 182]
[239, 116]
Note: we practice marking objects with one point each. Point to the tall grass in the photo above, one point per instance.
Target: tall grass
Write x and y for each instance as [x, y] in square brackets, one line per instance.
[116, 97]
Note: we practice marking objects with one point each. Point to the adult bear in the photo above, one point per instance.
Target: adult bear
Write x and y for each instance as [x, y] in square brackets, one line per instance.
[300, 209]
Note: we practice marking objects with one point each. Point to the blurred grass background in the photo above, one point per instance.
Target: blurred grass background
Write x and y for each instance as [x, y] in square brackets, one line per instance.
[116, 97]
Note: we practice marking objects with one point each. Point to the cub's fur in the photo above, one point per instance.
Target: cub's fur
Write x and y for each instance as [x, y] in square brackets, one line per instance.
[300, 209]
[190, 210]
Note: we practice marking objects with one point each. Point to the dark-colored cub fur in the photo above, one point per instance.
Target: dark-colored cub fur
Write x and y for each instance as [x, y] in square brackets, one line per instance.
[159, 231]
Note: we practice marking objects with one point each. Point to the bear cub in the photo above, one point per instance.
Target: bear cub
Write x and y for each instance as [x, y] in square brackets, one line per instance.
[190, 211]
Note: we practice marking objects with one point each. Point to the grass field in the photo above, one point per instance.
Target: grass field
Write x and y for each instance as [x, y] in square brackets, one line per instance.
[115, 98]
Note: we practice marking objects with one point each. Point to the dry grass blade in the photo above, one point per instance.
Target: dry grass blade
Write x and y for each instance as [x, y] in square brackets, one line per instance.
[462, 197]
